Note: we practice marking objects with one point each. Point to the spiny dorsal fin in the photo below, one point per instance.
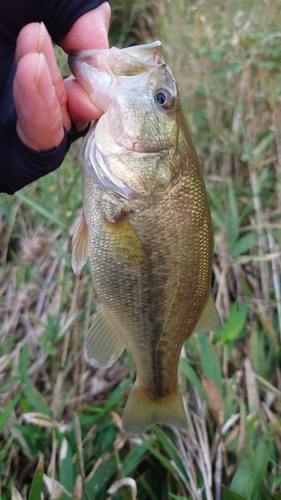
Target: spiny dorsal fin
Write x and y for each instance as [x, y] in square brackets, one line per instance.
[209, 319]
[80, 249]
[103, 343]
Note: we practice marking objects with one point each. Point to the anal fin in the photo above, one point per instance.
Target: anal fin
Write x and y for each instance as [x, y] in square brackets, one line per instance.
[209, 319]
[103, 343]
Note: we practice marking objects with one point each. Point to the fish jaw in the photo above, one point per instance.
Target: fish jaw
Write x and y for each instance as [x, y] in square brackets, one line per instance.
[125, 62]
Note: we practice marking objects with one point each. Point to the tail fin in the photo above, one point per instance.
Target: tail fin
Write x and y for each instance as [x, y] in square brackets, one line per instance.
[141, 411]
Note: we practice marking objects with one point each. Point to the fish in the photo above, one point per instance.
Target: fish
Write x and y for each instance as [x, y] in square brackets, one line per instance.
[146, 227]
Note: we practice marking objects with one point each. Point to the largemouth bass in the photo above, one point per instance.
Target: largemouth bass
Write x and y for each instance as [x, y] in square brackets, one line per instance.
[146, 227]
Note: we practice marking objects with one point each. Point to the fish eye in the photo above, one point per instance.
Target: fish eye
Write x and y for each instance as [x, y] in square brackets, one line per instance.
[164, 98]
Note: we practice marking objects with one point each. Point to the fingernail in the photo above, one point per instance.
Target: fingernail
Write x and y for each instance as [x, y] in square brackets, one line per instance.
[44, 80]
[41, 35]
[45, 46]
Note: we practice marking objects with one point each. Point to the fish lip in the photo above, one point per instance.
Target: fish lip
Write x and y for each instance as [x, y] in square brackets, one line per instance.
[153, 55]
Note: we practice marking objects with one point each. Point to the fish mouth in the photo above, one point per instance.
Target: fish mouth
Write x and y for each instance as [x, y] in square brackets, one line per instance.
[101, 70]
[130, 61]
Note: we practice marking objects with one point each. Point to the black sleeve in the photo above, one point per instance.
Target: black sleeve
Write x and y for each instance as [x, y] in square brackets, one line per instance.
[20, 165]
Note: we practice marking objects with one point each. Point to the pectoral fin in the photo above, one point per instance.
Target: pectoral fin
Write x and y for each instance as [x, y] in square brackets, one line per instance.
[103, 343]
[125, 242]
[209, 320]
[80, 250]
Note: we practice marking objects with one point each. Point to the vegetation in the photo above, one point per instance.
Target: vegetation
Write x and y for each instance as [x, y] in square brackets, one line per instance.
[60, 420]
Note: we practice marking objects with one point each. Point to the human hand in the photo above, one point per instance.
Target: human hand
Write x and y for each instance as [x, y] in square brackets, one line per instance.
[46, 103]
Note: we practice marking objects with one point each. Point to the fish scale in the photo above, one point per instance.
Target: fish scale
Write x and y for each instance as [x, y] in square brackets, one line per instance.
[151, 250]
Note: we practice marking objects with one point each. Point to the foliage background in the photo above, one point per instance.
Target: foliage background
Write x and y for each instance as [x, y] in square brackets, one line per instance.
[60, 420]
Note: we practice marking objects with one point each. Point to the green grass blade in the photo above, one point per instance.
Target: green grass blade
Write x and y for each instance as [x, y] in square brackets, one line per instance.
[209, 360]
[243, 480]
[235, 323]
[4, 451]
[228, 494]
[39, 209]
[243, 244]
[65, 466]
[252, 468]
[37, 482]
[169, 448]
[177, 497]
[162, 459]
[192, 377]
[116, 394]
[148, 489]
[4, 417]
[35, 398]
[133, 459]
[266, 495]
[23, 361]
[98, 482]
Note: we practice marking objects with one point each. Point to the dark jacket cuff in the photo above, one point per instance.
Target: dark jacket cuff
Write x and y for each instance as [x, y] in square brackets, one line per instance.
[25, 165]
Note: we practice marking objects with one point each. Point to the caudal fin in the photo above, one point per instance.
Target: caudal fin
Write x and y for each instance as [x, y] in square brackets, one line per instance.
[141, 411]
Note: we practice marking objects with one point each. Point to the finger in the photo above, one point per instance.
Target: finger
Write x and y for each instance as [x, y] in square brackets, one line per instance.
[90, 31]
[34, 38]
[80, 107]
[40, 125]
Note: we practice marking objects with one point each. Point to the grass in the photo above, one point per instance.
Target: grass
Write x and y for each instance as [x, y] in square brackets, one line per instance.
[60, 420]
